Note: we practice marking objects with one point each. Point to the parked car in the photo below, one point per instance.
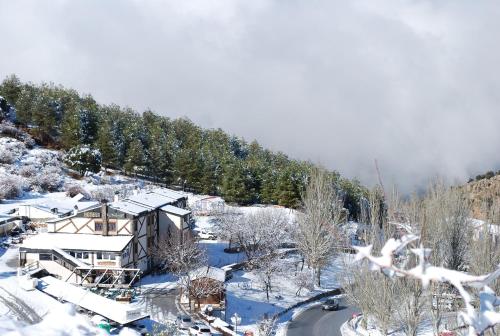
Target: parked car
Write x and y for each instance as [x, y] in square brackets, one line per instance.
[200, 330]
[204, 234]
[184, 322]
[330, 304]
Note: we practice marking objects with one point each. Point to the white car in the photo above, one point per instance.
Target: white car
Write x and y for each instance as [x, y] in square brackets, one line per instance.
[203, 234]
[184, 322]
[200, 330]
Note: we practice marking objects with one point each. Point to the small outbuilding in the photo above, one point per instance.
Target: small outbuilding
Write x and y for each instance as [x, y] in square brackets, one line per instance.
[207, 287]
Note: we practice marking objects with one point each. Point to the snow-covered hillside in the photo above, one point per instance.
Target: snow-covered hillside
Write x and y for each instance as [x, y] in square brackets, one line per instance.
[37, 175]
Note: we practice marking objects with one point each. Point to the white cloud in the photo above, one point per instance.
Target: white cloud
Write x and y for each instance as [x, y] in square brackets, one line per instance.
[414, 84]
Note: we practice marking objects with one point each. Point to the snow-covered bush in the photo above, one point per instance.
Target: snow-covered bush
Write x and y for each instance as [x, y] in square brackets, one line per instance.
[6, 156]
[8, 129]
[28, 171]
[10, 150]
[50, 178]
[46, 157]
[83, 158]
[105, 193]
[11, 186]
[74, 189]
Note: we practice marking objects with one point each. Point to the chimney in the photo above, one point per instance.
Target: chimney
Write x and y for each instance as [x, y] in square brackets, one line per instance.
[136, 191]
[104, 217]
[75, 210]
[116, 198]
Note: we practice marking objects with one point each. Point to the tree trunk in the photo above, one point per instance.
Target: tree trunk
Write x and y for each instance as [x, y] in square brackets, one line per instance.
[318, 277]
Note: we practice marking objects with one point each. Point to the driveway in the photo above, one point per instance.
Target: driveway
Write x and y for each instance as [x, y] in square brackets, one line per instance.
[317, 322]
[159, 303]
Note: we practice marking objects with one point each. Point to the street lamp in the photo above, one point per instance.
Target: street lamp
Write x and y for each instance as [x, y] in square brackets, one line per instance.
[236, 319]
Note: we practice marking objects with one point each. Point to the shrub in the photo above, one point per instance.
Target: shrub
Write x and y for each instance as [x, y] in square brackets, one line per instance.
[47, 157]
[10, 150]
[11, 186]
[49, 179]
[74, 189]
[28, 171]
[9, 130]
[83, 158]
[6, 156]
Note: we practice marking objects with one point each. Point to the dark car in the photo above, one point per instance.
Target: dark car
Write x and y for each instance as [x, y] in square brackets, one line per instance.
[330, 304]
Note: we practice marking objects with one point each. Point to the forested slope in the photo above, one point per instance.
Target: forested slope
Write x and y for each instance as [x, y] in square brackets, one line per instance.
[173, 151]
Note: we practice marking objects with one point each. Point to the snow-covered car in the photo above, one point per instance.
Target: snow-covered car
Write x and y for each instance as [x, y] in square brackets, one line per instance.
[184, 322]
[200, 330]
[204, 234]
[330, 304]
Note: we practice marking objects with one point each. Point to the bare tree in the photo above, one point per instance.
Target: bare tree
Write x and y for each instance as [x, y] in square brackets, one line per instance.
[257, 233]
[412, 305]
[479, 320]
[317, 227]
[485, 247]
[225, 225]
[181, 257]
[268, 267]
[266, 326]
[303, 280]
[373, 293]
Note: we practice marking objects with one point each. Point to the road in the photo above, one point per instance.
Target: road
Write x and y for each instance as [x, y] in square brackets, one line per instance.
[317, 322]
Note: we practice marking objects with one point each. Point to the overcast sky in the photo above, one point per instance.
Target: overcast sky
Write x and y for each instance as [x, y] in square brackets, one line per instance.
[413, 84]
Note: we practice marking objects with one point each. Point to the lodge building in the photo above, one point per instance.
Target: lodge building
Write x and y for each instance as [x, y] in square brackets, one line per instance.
[119, 234]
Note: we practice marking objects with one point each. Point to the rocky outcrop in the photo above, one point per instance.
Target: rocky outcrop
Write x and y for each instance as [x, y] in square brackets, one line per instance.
[483, 194]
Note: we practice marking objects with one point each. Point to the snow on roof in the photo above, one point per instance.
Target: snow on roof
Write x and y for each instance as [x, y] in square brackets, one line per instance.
[209, 272]
[75, 261]
[63, 206]
[77, 197]
[128, 207]
[175, 210]
[77, 242]
[113, 310]
[152, 200]
[169, 193]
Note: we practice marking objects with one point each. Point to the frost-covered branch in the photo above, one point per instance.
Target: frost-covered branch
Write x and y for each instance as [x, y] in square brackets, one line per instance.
[478, 320]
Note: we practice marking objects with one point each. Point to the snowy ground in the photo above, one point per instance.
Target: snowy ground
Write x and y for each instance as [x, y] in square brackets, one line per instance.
[245, 293]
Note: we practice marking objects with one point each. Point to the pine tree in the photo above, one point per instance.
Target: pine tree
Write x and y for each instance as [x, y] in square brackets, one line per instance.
[44, 116]
[24, 104]
[70, 124]
[105, 144]
[235, 184]
[134, 162]
[10, 89]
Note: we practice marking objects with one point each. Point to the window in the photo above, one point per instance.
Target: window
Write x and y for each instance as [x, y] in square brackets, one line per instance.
[98, 226]
[79, 255]
[106, 256]
[111, 226]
